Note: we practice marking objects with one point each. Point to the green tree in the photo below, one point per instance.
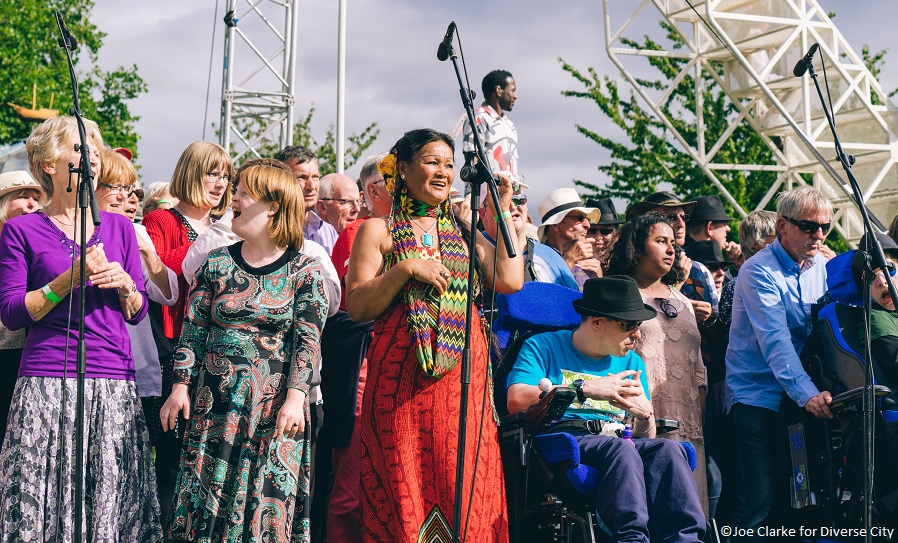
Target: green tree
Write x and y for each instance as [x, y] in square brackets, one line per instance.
[30, 55]
[325, 150]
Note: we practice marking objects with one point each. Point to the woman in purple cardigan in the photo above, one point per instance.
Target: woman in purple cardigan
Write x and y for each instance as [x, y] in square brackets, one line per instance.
[39, 261]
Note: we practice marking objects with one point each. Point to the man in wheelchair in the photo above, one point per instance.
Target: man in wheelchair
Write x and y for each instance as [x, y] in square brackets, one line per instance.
[646, 489]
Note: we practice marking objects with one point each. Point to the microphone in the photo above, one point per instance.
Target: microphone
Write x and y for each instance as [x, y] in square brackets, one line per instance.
[67, 40]
[805, 61]
[446, 44]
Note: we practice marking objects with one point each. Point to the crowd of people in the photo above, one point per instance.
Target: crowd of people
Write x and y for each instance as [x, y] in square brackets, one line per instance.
[254, 374]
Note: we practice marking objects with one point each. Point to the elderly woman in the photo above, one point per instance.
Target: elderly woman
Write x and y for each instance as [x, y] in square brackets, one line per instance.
[245, 358]
[20, 194]
[670, 343]
[116, 189]
[39, 261]
[409, 273]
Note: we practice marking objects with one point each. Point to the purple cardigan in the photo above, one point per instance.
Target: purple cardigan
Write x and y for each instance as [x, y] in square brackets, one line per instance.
[33, 251]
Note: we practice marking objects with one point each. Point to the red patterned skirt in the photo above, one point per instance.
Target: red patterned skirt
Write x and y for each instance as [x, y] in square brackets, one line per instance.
[410, 441]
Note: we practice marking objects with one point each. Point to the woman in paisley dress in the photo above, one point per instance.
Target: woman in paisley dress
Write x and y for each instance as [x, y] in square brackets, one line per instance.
[39, 260]
[670, 344]
[409, 273]
[251, 335]
[200, 182]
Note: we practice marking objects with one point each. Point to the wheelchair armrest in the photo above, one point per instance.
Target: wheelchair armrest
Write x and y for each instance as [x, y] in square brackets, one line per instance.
[855, 396]
[663, 426]
[539, 416]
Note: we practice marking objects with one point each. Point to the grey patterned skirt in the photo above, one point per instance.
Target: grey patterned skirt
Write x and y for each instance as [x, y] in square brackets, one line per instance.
[36, 500]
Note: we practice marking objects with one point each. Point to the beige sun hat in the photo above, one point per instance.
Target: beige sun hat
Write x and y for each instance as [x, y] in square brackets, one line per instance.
[556, 206]
[18, 180]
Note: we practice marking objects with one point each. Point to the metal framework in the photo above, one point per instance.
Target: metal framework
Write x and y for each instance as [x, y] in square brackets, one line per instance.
[258, 84]
[749, 48]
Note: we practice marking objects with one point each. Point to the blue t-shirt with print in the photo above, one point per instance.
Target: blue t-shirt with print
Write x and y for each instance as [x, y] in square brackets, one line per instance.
[552, 355]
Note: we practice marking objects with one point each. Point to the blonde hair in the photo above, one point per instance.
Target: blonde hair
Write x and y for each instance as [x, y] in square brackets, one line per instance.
[275, 185]
[7, 198]
[116, 170]
[48, 141]
[188, 179]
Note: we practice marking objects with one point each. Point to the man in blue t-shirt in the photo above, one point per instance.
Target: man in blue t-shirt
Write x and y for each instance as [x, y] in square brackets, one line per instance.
[644, 489]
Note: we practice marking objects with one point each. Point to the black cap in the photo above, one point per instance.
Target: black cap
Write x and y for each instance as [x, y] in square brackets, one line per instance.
[708, 208]
[659, 199]
[706, 251]
[616, 297]
[606, 209]
[888, 244]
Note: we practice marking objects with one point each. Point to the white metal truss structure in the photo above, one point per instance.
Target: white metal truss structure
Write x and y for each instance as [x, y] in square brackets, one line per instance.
[258, 84]
[749, 48]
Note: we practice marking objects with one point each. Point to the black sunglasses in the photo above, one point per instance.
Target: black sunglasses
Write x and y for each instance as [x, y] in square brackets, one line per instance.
[810, 227]
[628, 326]
[674, 216]
[605, 231]
[668, 308]
[715, 267]
[519, 199]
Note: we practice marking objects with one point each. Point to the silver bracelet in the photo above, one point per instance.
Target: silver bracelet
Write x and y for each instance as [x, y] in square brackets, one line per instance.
[133, 290]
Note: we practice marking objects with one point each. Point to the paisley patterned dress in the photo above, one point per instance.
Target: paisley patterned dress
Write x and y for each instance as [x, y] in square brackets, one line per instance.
[250, 334]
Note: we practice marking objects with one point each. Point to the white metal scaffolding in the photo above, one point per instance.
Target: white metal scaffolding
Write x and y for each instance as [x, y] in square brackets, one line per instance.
[258, 83]
[749, 48]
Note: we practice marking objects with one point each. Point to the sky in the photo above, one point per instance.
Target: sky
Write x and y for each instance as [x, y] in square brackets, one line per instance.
[393, 76]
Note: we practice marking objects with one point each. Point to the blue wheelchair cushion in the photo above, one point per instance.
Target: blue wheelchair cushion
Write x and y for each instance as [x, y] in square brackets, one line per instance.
[539, 305]
[690, 454]
[558, 448]
[840, 280]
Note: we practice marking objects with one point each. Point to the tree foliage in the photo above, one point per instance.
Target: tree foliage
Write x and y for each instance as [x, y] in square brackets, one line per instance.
[325, 150]
[30, 54]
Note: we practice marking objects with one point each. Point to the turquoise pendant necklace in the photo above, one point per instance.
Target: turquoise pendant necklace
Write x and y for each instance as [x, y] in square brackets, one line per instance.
[426, 236]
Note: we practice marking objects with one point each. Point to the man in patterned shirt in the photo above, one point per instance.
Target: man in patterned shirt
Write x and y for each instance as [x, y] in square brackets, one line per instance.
[497, 132]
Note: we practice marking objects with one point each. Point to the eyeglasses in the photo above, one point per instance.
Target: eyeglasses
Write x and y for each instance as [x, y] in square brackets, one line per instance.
[519, 199]
[604, 231]
[215, 177]
[136, 192]
[577, 218]
[810, 227]
[345, 201]
[715, 267]
[890, 266]
[668, 308]
[674, 216]
[628, 326]
[118, 189]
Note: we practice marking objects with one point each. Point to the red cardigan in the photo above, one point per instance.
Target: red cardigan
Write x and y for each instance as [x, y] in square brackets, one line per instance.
[169, 236]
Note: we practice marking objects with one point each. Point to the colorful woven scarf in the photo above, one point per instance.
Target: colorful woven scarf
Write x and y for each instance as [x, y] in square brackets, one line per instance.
[427, 312]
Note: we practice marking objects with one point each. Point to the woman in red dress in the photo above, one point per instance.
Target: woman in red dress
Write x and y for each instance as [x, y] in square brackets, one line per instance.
[409, 274]
[201, 183]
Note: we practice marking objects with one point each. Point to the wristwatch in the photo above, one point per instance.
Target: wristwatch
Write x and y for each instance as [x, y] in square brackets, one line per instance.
[577, 385]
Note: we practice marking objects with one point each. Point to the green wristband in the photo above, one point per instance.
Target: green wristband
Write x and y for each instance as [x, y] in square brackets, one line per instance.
[50, 294]
[505, 215]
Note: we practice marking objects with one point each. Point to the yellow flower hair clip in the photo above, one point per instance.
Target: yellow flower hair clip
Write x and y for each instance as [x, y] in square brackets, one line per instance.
[387, 168]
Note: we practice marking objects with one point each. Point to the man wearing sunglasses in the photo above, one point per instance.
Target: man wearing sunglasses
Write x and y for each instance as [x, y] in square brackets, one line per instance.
[771, 321]
[650, 482]
[541, 262]
[603, 231]
[565, 221]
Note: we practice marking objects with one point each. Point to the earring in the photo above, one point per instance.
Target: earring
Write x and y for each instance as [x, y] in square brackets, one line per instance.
[402, 176]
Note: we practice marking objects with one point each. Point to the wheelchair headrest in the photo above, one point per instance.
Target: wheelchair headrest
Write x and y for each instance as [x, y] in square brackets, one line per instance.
[840, 280]
[539, 305]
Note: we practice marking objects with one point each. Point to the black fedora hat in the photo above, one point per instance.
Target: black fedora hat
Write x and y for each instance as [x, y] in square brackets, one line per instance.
[616, 297]
[659, 199]
[707, 252]
[708, 208]
[608, 215]
[887, 243]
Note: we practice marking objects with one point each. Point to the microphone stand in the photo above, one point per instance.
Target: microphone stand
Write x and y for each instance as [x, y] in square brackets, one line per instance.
[480, 173]
[85, 197]
[868, 258]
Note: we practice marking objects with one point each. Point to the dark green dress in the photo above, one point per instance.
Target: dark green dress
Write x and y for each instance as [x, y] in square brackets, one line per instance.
[249, 335]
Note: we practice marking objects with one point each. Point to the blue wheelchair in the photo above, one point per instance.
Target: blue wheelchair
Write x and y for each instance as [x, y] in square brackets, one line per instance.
[551, 495]
[827, 455]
